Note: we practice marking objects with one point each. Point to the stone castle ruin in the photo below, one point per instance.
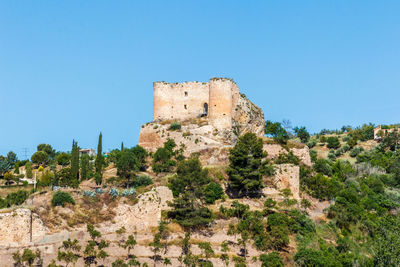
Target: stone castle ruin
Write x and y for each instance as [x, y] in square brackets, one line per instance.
[211, 114]
[216, 100]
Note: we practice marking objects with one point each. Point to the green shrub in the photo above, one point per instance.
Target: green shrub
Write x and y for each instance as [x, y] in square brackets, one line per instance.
[345, 148]
[271, 260]
[175, 126]
[313, 155]
[323, 166]
[16, 198]
[60, 198]
[63, 159]
[333, 142]
[46, 178]
[311, 143]
[141, 180]
[345, 138]
[212, 192]
[355, 151]
[28, 168]
[287, 158]
[331, 155]
[3, 203]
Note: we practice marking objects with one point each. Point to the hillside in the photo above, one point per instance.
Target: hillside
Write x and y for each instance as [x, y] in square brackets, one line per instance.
[267, 201]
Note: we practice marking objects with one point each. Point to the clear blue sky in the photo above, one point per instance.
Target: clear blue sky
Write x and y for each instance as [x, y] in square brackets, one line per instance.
[70, 69]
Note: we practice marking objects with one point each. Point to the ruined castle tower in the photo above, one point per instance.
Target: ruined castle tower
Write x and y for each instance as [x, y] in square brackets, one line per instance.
[216, 100]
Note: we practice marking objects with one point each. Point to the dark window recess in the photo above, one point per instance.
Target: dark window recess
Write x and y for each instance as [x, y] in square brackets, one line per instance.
[185, 106]
[186, 93]
[205, 110]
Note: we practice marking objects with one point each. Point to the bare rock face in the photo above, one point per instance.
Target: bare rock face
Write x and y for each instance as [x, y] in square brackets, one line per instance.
[287, 176]
[303, 153]
[16, 227]
[145, 214]
[248, 117]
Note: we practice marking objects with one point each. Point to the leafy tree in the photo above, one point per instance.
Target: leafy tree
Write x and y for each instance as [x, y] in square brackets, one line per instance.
[207, 249]
[5, 166]
[162, 158]
[188, 189]
[27, 258]
[48, 149]
[128, 164]
[247, 166]
[8, 176]
[16, 168]
[68, 252]
[119, 263]
[95, 248]
[129, 244]
[391, 141]
[61, 197]
[141, 180]
[277, 131]
[302, 133]
[212, 192]
[40, 158]
[224, 256]
[63, 159]
[333, 142]
[323, 166]
[93, 232]
[387, 242]
[12, 158]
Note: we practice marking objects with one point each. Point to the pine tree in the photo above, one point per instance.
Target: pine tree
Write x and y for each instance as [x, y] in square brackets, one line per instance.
[75, 163]
[248, 166]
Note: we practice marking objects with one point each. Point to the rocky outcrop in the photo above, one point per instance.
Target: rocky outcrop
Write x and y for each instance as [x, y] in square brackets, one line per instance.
[17, 226]
[286, 176]
[199, 135]
[247, 117]
[303, 153]
[145, 214]
[195, 136]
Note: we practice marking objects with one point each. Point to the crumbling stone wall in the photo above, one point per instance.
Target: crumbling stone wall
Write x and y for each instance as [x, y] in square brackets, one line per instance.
[179, 101]
[218, 100]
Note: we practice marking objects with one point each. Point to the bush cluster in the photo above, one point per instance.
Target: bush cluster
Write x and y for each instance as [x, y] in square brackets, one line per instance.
[61, 197]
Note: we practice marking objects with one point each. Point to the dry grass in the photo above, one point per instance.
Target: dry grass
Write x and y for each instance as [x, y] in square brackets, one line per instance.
[4, 191]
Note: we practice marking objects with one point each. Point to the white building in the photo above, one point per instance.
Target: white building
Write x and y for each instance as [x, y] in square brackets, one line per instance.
[89, 151]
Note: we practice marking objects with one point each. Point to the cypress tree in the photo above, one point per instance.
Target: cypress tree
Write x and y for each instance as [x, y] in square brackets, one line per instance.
[75, 163]
[99, 161]
[84, 166]
[122, 146]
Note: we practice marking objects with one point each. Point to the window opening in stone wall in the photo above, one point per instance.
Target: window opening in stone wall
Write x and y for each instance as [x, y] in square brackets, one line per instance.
[205, 110]
[185, 106]
[186, 93]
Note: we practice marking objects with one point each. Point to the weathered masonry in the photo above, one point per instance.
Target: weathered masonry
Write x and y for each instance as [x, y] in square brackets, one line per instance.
[216, 100]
